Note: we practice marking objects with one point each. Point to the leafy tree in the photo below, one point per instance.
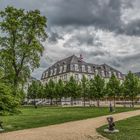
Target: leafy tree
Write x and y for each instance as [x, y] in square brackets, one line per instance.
[131, 86]
[33, 92]
[59, 90]
[50, 90]
[20, 42]
[8, 104]
[113, 88]
[72, 89]
[84, 88]
[97, 88]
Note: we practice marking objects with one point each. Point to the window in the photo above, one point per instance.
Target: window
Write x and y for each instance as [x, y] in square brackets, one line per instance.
[51, 72]
[114, 73]
[61, 77]
[83, 68]
[76, 77]
[89, 77]
[96, 72]
[46, 75]
[65, 68]
[89, 69]
[72, 67]
[60, 69]
[103, 73]
[65, 77]
[55, 70]
[76, 67]
[109, 73]
[119, 75]
[43, 75]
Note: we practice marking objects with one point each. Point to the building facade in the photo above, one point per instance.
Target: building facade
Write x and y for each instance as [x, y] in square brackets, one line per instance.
[76, 67]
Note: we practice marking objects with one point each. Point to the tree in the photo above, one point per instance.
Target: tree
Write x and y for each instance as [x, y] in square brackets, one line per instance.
[50, 90]
[84, 88]
[131, 86]
[113, 88]
[59, 90]
[20, 43]
[33, 92]
[72, 89]
[97, 87]
[7, 102]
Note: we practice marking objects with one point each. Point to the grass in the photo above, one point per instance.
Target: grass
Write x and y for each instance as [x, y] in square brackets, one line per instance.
[129, 130]
[44, 116]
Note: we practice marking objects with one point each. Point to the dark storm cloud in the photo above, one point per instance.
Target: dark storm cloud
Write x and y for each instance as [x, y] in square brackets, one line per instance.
[103, 14]
[54, 37]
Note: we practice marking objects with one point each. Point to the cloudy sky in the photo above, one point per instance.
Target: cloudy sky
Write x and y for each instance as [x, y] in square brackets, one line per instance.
[103, 31]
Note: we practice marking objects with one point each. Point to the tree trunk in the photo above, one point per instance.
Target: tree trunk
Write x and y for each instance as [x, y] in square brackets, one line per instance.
[84, 101]
[124, 101]
[98, 103]
[51, 101]
[132, 102]
[114, 102]
[71, 101]
[35, 106]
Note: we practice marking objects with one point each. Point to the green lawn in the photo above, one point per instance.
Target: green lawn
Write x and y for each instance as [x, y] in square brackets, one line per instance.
[44, 116]
[129, 129]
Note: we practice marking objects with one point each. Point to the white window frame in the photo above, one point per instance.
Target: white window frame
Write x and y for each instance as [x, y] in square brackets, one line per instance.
[51, 72]
[64, 68]
[83, 68]
[103, 73]
[96, 72]
[60, 69]
[110, 73]
[76, 77]
[76, 67]
[55, 70]
[89, 69]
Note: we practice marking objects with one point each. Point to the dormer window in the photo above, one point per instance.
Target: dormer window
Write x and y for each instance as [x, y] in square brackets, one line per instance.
[46, 74]
[89, 69]
[96, 72]
[51, 72]
[72, 67]
[60, 71]
[83, 68]
[55, 70]
[114, 73]
[65, 68]
[76, 67]
[119, 75]
[110, 73]
[103, 73]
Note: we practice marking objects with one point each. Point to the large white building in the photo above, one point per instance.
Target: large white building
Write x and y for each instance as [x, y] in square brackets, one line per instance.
[76, 67]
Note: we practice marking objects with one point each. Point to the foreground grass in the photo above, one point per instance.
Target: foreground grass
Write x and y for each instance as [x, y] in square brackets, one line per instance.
[129, 130]
[44, 116]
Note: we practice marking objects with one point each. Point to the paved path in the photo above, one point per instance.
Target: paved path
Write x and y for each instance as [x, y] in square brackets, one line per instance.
[77, 130]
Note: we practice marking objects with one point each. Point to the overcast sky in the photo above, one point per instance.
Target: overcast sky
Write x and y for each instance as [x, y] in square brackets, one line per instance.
[103, 31]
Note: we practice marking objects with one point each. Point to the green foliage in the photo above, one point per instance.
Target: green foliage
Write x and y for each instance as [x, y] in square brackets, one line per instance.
[8, 103]
[50, 90]
[59, 89]
[33, 90]
[113, 88]
[84, 88]
[20, 43]
[97, 88]
[72, 89]
[131, 86]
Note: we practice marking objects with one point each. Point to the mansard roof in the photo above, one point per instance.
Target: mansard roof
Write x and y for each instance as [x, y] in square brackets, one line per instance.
[72, 60]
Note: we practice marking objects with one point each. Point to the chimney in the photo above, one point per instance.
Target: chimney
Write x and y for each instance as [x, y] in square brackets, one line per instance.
[81, 57]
